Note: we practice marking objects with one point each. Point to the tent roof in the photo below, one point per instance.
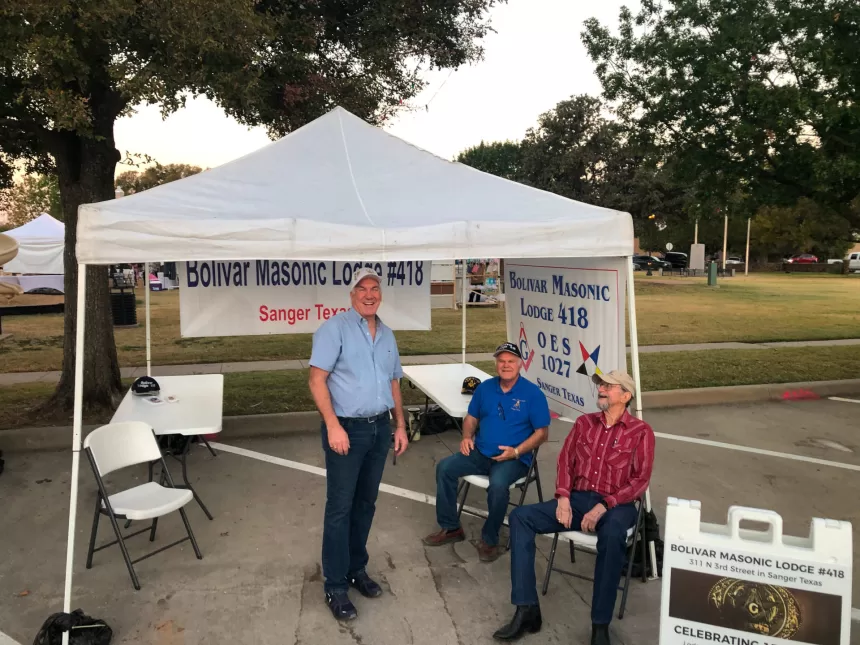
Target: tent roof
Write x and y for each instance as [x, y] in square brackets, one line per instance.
[339, 188]
[42, 229]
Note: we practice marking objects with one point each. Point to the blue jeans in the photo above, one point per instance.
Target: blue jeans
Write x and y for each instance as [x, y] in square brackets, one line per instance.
[352, 485]
[528, 521]
[502, 474]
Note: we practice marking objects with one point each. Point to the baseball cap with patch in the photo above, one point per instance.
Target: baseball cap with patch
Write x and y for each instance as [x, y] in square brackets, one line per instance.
[511, 348]
[361, 274]
[144, 386]
[470, 384]
[617, 377]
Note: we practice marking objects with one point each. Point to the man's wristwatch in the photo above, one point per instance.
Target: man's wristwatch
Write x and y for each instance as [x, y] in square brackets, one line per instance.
[604, 504]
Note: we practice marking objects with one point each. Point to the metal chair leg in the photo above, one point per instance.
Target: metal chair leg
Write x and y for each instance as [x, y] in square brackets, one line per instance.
[95, 531]
[466, 487]
[190, 534]
[125, 556]
[183, 459]
[206, 443]
[572, 552]
[152, 530]
[549, 564]
[627, 575]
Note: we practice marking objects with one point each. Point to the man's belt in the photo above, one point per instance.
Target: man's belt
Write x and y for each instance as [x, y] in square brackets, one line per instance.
[371, 419]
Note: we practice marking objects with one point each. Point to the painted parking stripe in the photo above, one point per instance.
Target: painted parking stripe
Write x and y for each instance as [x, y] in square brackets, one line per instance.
[7, 640]
[758, 451]
[385, 488]
[839, 398]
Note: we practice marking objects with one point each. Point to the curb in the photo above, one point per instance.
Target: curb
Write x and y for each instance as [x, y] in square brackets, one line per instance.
[280, 424]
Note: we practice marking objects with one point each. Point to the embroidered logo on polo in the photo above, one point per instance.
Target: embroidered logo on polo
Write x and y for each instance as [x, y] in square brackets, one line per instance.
[516, 405]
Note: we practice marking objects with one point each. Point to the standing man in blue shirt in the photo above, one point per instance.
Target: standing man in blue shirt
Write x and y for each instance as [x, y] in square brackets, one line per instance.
[355, 380]
[511, 418]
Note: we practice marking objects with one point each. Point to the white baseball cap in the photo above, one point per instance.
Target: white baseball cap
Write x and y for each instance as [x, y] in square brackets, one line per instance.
[361, 274]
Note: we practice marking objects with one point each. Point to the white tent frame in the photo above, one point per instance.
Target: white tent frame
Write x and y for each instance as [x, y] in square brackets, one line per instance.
[78, 401]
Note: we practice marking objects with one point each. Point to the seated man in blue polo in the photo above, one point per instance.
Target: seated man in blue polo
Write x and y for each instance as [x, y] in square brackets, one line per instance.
[508, 418]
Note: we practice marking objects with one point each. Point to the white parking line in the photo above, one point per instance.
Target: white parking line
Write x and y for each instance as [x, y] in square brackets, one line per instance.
[839, 398]
[758, 451]
[7, 640]
[421, 497]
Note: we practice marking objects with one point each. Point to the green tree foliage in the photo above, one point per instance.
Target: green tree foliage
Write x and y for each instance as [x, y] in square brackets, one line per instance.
[758, 98]
[71, 68]
[805, 228]
[500, 158]
[134, 181]
[29, 197]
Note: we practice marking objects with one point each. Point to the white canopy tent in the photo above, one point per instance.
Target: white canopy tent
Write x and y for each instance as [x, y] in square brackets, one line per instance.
[338, 189]
[40, 246]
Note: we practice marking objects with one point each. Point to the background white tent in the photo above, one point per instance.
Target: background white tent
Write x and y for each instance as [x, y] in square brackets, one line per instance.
[40, 246]
[338, 189]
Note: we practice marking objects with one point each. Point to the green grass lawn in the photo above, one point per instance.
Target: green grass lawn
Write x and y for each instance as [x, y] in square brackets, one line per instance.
[287, 391]
[763, 307]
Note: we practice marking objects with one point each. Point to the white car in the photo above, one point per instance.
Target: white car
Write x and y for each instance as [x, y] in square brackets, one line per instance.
[853, 262]
[733, 260]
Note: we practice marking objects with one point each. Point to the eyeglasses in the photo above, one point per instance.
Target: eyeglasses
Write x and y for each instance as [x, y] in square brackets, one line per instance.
[607, 386]
[501, 412]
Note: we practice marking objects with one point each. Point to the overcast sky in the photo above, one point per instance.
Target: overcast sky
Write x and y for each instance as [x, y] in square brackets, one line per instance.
[534, 60]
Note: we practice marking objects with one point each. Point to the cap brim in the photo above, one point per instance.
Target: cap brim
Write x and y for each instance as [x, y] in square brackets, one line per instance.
[506, 351]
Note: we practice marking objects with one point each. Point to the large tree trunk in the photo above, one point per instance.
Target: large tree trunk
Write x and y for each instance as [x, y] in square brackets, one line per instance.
[85, 170]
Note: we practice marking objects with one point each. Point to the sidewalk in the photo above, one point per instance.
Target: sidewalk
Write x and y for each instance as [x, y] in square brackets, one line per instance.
[13, 378]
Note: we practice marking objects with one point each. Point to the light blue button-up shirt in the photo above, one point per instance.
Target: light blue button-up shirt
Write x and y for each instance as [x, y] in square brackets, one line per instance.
[361, 368]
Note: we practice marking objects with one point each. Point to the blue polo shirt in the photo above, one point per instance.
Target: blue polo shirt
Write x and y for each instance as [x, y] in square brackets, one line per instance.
[360, 367]
[507, 419]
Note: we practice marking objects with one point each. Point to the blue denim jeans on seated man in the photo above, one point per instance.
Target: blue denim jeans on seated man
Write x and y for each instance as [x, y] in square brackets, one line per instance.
[528, 521]
[352, 485]
[502, 474]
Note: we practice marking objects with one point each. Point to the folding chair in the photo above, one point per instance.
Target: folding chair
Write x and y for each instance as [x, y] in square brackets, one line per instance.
[482, 481]
[587, 542]
[117, 446]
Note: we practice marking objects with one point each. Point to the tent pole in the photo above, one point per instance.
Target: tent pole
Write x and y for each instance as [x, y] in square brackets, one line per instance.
[148, 331]
[634, 355]
[76, 437]
[465, 300]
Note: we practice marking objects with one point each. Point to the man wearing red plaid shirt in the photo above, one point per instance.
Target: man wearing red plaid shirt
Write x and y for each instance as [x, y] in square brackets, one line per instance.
[604, 466]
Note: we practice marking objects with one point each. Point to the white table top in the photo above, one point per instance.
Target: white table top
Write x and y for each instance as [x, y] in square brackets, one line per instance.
[198, 409]
[443, 383]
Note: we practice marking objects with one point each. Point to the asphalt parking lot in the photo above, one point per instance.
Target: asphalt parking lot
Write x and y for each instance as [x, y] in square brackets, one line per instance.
[259, 581]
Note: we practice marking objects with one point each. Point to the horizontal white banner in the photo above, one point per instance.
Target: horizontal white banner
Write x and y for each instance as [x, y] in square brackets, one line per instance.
[258, 297]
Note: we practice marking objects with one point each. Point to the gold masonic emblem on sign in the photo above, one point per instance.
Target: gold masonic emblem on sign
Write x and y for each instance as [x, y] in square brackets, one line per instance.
[768, 610]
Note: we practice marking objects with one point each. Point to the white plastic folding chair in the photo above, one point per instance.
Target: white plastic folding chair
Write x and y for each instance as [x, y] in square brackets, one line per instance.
[119, 445]
[482, 481]
[587, 542]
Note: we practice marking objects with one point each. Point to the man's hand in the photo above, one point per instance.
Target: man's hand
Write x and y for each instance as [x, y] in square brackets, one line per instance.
[590, 519]
[507, 454]
[563, 512]
[467, 446]
[401, 441]
[338, 440]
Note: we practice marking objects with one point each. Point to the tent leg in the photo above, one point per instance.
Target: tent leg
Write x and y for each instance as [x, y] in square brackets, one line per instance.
[76, 436]
[634, 356]
[148, 329]
[465, 300]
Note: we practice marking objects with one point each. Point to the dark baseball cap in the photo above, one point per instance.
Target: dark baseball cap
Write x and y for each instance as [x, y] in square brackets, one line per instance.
[511, 348]
[144, 386]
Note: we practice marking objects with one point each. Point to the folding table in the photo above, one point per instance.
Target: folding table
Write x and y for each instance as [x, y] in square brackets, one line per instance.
[197, 411]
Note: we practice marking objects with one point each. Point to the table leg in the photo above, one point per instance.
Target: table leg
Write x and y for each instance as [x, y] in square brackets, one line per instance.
[183, 457]
[212, 450]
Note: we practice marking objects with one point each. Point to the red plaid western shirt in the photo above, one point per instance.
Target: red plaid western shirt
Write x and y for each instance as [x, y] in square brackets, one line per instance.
[615, 462]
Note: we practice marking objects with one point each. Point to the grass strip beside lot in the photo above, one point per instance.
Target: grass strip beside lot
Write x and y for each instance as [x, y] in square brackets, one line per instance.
[671, 310]
[287, 391]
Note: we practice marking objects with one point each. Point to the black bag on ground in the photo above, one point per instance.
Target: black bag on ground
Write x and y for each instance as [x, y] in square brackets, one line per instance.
[436, 420]
[652, 534]
[83, 630]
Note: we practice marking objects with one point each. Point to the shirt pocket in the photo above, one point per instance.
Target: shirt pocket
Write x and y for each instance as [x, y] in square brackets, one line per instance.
[621, 456]
[387, 362]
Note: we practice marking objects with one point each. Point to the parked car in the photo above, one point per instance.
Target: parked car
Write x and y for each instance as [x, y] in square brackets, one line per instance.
[677, 259]
[733, 260]
[853, 262]
[646, 261]
[803, 258]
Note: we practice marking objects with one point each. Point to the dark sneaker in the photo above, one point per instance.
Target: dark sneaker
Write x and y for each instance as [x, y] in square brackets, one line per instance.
[445, 537]
[487, 553]
[341, 606]
[365, 585]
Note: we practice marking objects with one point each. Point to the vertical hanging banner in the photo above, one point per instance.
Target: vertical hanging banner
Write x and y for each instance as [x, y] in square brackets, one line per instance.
[567, 316]
[727, 584]
[258, 297]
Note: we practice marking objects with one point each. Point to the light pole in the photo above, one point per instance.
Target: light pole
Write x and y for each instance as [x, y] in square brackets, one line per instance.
[725, 240]
[747, 258]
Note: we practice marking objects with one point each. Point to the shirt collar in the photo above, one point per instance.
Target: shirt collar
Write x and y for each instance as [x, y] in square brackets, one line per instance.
[499, 384]
[358, 318]
[626, 419]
